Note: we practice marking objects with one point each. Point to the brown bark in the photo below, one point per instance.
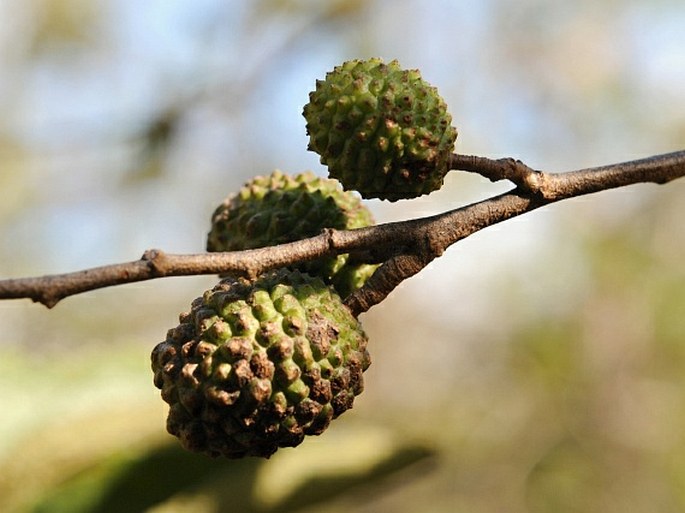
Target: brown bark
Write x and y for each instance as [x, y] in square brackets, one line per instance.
[404, 248]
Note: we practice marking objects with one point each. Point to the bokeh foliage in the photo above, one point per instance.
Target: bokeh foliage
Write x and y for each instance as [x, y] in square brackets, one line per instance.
[537, 366]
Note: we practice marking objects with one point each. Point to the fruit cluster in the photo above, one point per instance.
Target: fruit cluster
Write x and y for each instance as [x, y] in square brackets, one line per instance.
[255, 365]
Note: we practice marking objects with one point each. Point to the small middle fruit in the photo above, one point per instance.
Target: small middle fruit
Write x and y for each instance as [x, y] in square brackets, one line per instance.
[280, 208]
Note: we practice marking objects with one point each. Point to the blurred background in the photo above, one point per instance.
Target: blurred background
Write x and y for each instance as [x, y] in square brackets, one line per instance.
[537, 366]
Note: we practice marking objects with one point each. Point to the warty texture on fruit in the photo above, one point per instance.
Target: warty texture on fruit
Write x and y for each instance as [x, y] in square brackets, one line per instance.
[281, 208]
[381, 130]
[258, 365]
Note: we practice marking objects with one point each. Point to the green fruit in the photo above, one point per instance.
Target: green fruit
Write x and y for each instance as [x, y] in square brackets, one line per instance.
[276, 209]
[257, 365]
[381, 130]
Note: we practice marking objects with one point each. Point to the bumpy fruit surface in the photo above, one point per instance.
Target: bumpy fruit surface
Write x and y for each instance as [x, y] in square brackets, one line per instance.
[279, 208]
[381, 130]
[257, 365]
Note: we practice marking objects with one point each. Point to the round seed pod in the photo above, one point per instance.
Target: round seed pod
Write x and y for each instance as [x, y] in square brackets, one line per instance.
[258, 365]
[281, 208]
[380, 129]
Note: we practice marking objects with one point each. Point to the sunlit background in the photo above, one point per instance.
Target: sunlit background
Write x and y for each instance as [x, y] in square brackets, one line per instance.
[538, 366]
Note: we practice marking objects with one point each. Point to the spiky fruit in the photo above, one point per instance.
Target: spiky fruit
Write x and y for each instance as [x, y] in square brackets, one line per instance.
[257, 365]
[381, 130]
[279, 208]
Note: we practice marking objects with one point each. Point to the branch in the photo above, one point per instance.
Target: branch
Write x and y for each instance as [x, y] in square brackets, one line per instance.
[658, 169]
[404, 248]
[534, 190]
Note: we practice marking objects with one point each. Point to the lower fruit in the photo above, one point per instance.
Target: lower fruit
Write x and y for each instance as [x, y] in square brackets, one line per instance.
[258, 365]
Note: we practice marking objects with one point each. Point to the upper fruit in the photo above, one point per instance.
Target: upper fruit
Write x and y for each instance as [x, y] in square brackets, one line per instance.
[279, 208]
[258, 365]
[381, 130]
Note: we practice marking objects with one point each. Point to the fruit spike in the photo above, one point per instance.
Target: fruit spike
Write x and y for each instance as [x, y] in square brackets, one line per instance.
[381, 130]
[280, 208]
[259, 365]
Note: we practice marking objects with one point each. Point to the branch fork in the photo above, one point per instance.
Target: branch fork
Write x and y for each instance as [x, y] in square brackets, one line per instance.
[403, 248]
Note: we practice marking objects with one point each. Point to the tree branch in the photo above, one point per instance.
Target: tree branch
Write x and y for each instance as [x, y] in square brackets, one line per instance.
[657, 169]
[404, 248]
[534, 190]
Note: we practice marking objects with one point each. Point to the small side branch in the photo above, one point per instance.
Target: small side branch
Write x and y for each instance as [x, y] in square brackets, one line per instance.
[552, 186]
[515, 171]
[383, 282]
